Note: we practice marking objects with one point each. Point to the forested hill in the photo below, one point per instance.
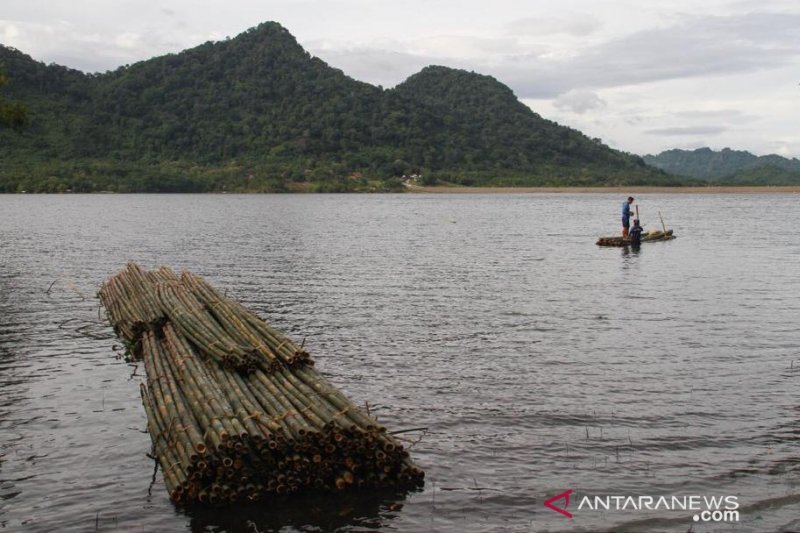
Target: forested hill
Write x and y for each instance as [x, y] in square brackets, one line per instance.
[734, 167]
[258, 113]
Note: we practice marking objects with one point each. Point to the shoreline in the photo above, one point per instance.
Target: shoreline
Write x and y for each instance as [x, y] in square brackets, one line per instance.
[455, 189]
[744, 189]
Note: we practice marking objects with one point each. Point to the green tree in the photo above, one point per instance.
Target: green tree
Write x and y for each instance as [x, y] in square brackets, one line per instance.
[12, 114]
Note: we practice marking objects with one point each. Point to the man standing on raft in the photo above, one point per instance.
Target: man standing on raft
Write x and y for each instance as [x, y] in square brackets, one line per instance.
[626, 216]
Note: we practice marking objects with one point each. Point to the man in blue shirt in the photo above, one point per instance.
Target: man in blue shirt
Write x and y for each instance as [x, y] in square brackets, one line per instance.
[626, 216]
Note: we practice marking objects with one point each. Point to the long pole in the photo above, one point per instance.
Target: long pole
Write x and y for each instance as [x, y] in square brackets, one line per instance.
[663, 226]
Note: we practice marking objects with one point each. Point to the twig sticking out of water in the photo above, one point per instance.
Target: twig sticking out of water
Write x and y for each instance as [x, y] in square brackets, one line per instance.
[51, 286]
[479, 489]
[155, 472]
[69, 284]
[67, 321]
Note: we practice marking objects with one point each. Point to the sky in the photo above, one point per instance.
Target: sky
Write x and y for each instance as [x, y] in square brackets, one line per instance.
[642, 76]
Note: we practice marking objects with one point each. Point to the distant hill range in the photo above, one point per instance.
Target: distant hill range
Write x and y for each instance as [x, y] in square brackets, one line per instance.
[258, 113]
[729, 167]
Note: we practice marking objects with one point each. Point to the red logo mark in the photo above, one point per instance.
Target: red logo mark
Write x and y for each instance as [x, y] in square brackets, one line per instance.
[562, 510]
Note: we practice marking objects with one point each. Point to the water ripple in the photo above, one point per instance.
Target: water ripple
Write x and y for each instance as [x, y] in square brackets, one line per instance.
[536, 361]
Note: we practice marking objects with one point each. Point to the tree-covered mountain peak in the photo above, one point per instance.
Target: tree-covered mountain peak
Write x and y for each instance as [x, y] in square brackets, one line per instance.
[438, 81]
[728, 166]
[258, 112]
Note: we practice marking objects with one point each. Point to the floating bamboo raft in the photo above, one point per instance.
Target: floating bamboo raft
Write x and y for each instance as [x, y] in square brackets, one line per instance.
[235, 409]
[652, 236]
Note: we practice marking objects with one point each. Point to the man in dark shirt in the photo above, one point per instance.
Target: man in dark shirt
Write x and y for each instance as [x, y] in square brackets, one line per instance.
[636, 233]
[626, 216]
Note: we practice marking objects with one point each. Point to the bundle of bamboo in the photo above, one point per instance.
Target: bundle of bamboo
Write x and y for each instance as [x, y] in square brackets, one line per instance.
[650, 236]
[234, 408]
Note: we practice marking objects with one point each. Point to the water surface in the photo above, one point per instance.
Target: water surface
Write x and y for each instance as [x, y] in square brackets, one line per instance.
[537, 361]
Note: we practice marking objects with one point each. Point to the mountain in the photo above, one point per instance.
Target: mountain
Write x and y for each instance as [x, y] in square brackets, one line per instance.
[258, 113]
[475, 125]
[728, 166]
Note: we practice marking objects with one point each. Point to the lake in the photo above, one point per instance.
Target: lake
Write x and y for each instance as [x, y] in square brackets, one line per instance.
[537, 361]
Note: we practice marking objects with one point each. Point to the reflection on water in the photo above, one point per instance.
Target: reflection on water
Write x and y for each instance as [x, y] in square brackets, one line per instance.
[12, 380]
[365, 511]
[537, 360]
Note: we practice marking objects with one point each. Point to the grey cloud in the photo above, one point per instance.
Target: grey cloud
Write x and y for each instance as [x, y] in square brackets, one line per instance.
[579, 101]
[86, 57]
[694, 145]
[762, 5]
[468, 46]
[688, 130]
[715, 113]
[693, 47]
[730, 116]
[577, 24]
[379, 67]
[70, 46]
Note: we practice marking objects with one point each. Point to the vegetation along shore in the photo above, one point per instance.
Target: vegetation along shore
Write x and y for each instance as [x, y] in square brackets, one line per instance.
[708, 189]
[257, 113]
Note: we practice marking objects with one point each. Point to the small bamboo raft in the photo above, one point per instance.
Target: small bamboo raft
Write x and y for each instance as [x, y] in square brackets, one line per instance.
[651, 236]
[235, 410]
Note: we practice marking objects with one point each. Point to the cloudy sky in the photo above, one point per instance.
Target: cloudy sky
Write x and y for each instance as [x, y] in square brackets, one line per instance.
[642, 76]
